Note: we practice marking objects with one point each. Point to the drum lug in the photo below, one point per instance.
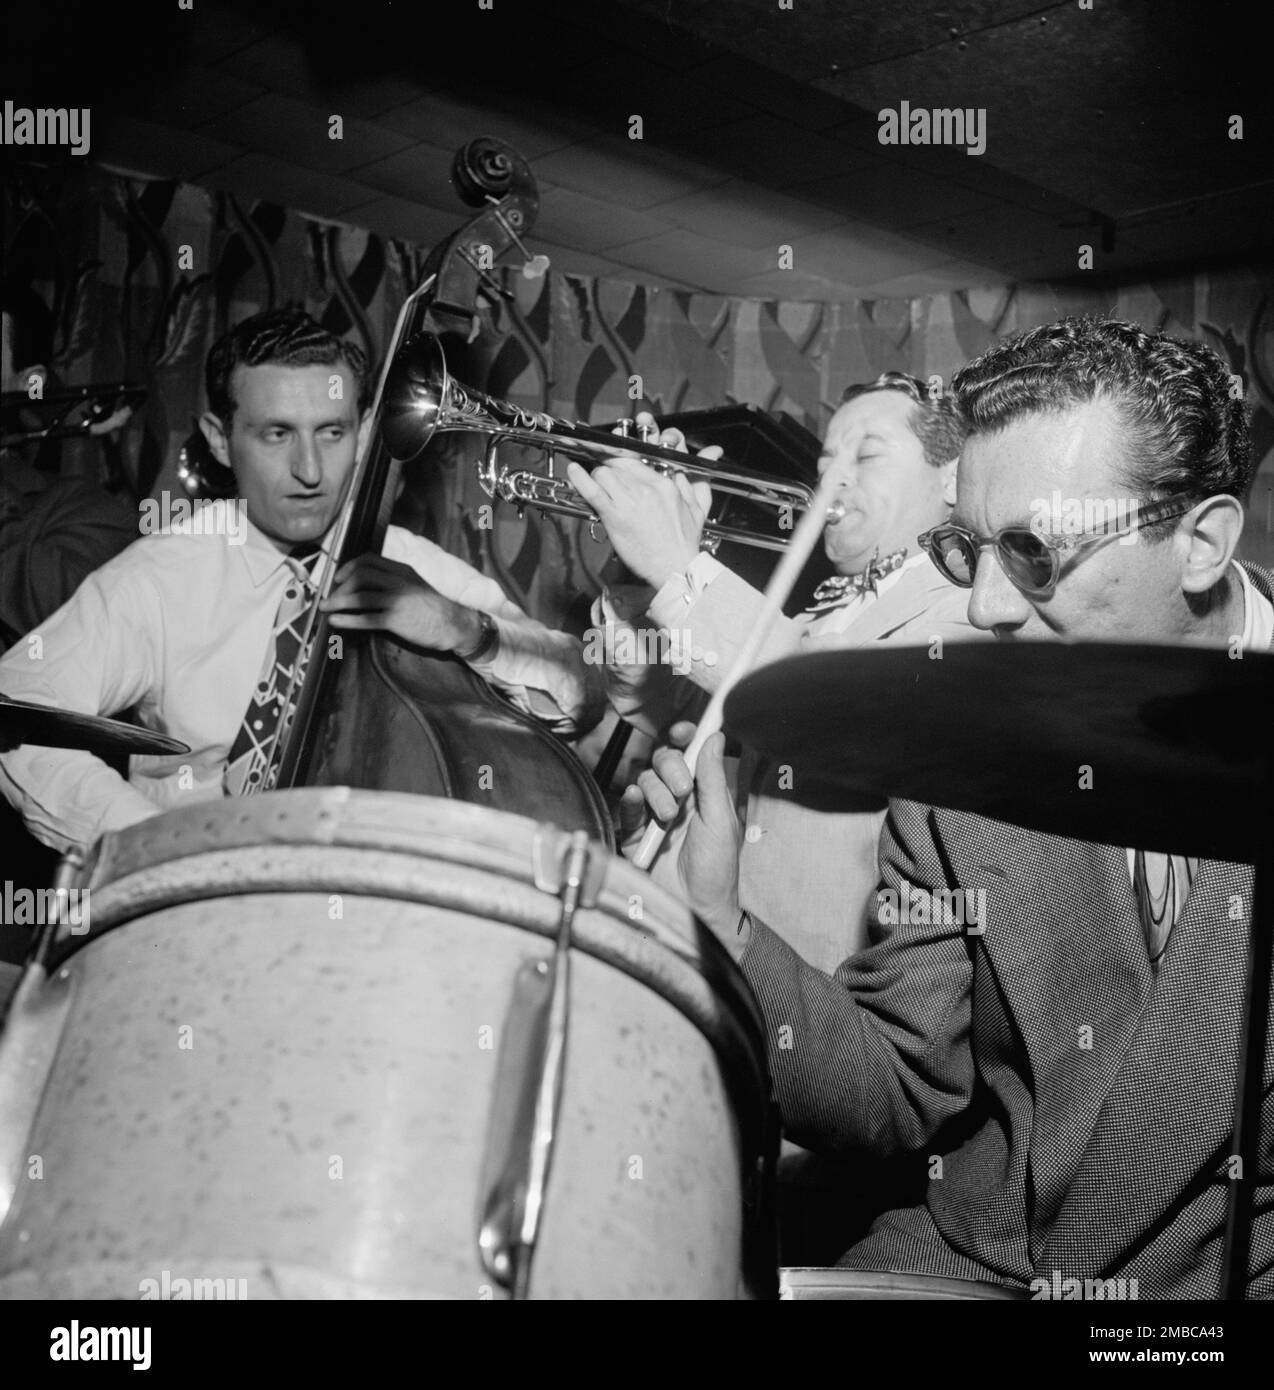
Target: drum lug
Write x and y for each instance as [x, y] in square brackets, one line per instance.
[528, 1090]
[28, 1045]
[550, 854]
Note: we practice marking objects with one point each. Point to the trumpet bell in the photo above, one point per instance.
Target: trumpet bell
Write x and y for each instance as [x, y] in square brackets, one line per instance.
[415, 388]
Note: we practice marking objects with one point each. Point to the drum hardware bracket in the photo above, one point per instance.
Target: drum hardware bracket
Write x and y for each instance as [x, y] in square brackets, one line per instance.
[551, 854]
[28, 1044]
[528, 1091]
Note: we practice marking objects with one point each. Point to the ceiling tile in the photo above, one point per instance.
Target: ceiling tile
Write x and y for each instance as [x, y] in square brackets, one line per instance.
[861, 254]
[999, 230]
[987, 179]
[655, 49]
[222, 31]
[146, 148]
[740, 214]
[297, 132]
[370, 97]
[893, 196]
[699, 260]
[671, 104]
[572, 219]
[290, 65]
[774, 152]
[303, 190]
[773, 92]
[187, 98]
[403, 218]
[449, 123]
[633, 173]
[421, 171]
[860, 128]
[280, 63]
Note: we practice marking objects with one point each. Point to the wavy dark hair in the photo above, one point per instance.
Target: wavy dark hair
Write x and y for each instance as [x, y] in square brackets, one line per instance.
[936, 424]
[287, 337]
[1185, 433]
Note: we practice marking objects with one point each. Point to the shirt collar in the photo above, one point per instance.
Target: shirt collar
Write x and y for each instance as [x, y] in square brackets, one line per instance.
[1258, 615]
[263, 558]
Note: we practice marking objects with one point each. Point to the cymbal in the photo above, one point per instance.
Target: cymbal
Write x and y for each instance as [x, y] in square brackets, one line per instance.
[22, 722]
[1156, 747]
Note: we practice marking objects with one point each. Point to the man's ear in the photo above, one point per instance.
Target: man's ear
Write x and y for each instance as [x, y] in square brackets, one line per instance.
[1206, 541]
[215, 433]
[949, 473]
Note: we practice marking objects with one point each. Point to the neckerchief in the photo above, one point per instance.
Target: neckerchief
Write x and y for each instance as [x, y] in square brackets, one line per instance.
[840, 588]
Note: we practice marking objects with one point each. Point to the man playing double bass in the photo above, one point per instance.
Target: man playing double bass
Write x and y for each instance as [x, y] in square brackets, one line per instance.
[192, 628]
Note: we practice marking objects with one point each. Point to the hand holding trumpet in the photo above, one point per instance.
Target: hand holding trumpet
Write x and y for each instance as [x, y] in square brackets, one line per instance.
[654, 520]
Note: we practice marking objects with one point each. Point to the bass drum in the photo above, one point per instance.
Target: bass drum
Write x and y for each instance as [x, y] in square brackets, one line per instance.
[282, 1049]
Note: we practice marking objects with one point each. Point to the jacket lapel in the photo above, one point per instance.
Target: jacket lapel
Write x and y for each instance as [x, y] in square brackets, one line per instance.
[1168, 1117]
[1075, 981]
[901, 604]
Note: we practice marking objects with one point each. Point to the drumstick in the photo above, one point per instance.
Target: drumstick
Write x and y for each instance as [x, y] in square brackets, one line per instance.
[782, 581]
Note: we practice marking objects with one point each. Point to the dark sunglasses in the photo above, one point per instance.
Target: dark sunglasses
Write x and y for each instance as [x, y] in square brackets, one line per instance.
[1033, 561]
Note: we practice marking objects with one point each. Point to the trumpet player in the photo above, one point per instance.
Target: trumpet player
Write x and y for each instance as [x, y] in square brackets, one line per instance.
[894, 452]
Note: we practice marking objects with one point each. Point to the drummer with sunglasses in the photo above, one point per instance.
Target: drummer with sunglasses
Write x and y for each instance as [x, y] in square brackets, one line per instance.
[1067, 1064]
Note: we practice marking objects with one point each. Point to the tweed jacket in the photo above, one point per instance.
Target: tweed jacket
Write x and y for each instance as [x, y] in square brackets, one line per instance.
[1080, 1104]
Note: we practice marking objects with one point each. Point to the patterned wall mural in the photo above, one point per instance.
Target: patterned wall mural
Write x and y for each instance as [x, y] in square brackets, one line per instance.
[143, 275]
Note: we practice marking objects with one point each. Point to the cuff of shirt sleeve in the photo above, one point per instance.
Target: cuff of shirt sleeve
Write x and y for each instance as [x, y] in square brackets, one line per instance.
[671, 603]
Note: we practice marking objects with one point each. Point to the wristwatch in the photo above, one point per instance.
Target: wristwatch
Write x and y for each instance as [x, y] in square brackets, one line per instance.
[489, 636]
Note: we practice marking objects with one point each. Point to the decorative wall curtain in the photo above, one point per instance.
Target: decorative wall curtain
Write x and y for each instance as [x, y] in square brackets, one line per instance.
[142, 276]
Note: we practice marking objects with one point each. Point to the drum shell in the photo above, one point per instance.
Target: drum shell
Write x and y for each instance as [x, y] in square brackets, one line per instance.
[294, 1088]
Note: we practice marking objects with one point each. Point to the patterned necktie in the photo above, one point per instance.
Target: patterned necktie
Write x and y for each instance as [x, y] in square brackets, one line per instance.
[1161, 884]
[249, 756]
[840, 588]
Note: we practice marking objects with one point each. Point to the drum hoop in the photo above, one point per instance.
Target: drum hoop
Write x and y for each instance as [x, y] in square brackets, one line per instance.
[820, 1283]
[706, 988]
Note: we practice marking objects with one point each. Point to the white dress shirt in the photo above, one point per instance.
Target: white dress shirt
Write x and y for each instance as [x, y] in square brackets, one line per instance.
[178, 626]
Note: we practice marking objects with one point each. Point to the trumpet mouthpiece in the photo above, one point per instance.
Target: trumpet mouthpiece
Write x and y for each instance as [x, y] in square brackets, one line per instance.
[835, 512]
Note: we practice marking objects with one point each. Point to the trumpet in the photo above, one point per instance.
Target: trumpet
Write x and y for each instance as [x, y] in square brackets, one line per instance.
[422, 400]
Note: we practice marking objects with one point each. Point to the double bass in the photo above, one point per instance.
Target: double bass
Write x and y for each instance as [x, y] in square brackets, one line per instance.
[366, 710]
